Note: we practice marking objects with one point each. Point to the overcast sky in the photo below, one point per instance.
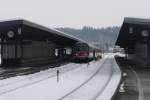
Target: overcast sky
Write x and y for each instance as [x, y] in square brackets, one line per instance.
[74, 13]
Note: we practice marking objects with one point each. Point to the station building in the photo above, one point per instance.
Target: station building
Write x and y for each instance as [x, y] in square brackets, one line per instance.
[24, 43]
[134, 37]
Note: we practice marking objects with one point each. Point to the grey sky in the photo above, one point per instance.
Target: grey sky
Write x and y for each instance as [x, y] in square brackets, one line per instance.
[74, 13]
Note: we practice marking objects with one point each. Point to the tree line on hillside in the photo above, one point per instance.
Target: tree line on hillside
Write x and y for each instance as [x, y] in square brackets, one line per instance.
[100, 36]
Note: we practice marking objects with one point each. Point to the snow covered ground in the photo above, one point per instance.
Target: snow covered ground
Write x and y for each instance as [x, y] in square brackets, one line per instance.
[83, 82]
[113, 83]
[102, 86]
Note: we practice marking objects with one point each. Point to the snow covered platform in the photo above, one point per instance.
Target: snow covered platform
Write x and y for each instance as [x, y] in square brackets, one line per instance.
[97, 80]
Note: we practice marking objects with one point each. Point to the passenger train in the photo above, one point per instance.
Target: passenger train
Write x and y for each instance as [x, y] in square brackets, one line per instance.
[85, 52]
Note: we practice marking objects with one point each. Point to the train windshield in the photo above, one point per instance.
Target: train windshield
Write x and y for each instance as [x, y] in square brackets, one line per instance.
[81, 47]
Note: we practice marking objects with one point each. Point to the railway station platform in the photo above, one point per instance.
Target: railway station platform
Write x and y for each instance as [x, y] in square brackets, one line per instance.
[97, 80]
[136, 82]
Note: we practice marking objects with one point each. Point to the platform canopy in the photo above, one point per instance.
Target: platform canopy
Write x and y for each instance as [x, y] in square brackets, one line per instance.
[23, 29]
[133, 30]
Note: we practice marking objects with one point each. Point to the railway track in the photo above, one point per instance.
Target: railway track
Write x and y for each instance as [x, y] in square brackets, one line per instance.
[65, 96]
[12, 72]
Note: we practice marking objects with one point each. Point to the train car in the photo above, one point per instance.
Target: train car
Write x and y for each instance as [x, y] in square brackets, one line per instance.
[84, 52]
[80, 51]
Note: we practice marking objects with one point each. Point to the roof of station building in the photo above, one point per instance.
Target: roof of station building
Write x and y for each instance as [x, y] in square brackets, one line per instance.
[133, 30]
[137, 21]
[33, 29]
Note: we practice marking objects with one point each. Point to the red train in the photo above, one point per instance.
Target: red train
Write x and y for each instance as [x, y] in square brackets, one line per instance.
[85, 52]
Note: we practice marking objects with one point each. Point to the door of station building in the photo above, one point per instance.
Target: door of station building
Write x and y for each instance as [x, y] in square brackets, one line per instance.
[10, 54]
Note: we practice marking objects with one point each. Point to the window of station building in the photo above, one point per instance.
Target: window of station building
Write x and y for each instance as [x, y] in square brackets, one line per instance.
[8, 51]
[144, 33]
[68, 51]
[19, 31]
[131, 30]
[56, 52]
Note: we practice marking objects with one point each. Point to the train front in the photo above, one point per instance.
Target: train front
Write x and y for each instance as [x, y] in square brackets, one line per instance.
[80, 52]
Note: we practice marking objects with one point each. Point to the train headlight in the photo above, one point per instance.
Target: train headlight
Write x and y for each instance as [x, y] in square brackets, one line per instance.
[10, 34]
[145, 33]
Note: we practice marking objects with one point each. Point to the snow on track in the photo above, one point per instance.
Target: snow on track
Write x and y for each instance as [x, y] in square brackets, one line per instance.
[113, 84]
[80, 88]
[102, 85]
[11, 84]
[49, 89]
[98, 82]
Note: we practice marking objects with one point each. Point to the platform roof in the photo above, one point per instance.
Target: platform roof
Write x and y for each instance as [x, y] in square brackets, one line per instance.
[133, 30]
[35, 31]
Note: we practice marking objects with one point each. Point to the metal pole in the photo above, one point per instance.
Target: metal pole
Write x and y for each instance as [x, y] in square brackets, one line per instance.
[57, 76]
[88, 64]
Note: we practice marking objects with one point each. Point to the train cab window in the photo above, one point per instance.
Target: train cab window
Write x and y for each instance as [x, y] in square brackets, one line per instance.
[81, 48]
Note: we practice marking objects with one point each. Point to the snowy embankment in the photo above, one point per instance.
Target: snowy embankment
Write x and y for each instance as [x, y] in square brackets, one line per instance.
[77, 81]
